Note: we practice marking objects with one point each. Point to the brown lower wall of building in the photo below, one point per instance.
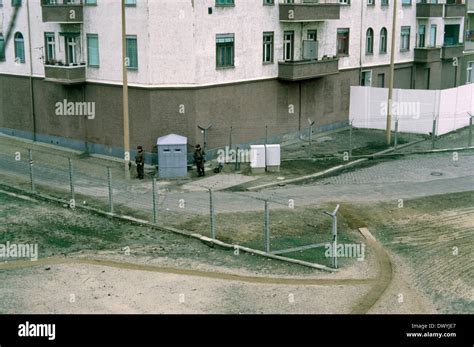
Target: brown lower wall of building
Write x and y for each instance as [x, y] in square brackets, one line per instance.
[282, 107]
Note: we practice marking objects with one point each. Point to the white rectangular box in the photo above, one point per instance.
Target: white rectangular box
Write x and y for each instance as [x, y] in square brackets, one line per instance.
[257, 158]
[273, 158]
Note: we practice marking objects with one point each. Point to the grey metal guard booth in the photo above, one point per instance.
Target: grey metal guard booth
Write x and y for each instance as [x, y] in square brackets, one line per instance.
[172, 156]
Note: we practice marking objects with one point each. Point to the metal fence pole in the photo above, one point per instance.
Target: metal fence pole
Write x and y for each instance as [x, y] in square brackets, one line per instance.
[237, 159]
[266, 134]
[395, 138]
[433, 135]
[211, 214]
[32, 176]
[470, 131]
[154, 200]
[267, 227]
[333, 215]
[230, 137]
[350, 139]
[334, 242]
[71, 180]
[109, 182]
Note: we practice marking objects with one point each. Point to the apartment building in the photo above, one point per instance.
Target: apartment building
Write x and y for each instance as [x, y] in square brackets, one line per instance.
[247, 64]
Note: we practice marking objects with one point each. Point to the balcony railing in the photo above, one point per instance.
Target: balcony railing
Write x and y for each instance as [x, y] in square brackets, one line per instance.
[452, 51]
[454, 10]
[310, 10]
[470, 6]
[429, 10]
[307, 69]
[427, 54]
[68, 75]
[56, 11]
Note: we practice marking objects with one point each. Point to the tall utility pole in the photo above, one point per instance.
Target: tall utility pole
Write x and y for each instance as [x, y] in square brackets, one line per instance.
[392, 75]
[126, 130]
[32, 95]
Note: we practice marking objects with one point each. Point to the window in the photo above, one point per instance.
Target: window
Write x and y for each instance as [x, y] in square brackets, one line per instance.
[405, 39]
[225, 50]
[469, 77]
[16, 3]
[406, 2]
[268, 47]
[451, 34]
[384, 2]
[224, 2]
[433, 33]
[268, 2]
[369, 41]
[19, 48]
[421, 36]
[91, 2]
[50, 47]
[381, 80]
[288, 40]
[344, 2]
[93, 50]
[343, 41]
[312, 35]
[383, 41]
[2, 48]
[370, 2]
[132, 52]
[71, 50]
[130, 2]
[366, 78]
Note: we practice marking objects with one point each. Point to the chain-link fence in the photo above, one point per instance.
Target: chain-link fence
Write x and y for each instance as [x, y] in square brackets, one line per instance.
[261, 221]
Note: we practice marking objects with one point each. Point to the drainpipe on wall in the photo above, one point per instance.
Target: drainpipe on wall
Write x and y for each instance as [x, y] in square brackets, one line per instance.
[361, 40]
[32, 95]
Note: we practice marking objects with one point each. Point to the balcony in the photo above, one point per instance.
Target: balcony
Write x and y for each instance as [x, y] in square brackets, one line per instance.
[454, 10]
[449, 52]
[67, 75]
[310, 11]
[469, 46]
[470, 6]
[427, 54]
[429, 10]
[64, 12]
[307, 69]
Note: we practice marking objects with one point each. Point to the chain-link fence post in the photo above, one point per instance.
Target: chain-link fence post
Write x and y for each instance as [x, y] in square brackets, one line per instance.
[395, 137]
[333, 215]
[469, 144]
[433, 134]
[71, 182]
[154, 191]
[350, 139]
[267, 227]
[32, 175]
[109, 182]
[212, 215]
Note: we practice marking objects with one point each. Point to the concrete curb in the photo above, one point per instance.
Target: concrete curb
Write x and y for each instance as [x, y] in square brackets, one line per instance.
[331, 170]
[204, 239]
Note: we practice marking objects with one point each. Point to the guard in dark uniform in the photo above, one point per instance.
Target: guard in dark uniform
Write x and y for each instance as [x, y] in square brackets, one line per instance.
[199, 160]
[140, 161]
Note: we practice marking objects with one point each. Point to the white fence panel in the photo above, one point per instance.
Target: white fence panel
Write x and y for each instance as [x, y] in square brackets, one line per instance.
[415, 109]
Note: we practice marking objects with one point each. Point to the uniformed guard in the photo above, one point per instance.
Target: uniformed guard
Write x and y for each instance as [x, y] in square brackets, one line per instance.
[199, 160]
[140, 161]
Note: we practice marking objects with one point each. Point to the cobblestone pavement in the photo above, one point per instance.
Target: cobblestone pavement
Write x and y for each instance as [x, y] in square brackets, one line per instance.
[416, 168]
